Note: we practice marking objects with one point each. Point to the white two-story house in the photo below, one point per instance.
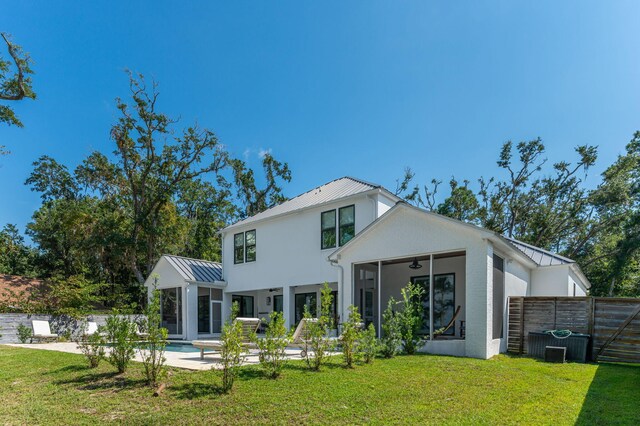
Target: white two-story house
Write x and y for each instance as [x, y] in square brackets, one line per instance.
[366, 244]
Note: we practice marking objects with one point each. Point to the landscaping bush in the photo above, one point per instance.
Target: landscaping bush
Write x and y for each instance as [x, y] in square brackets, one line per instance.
[410, 318]
[92, 347]
[121, 334]
[24, 333]
[368, 345]
[351, 332]
[317, 331]
[233, 349]
[391, 337]
[273, 346]
[152, 349]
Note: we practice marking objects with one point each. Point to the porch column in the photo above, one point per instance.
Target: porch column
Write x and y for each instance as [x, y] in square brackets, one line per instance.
[431, 297]
[379, 316]
[190, 314]
[287, 310]
[479, 297]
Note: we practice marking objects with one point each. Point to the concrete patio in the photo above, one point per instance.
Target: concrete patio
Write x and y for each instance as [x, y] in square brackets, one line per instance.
[186, 360]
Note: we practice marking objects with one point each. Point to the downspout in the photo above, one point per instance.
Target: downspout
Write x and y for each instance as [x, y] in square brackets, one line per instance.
[335, 264]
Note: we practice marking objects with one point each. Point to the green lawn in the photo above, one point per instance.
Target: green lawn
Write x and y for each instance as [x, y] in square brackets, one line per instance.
[43, 387]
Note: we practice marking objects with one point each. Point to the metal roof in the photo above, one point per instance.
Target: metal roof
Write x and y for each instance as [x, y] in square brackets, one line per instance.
[332, 191]
[195, 269]
[540, 256]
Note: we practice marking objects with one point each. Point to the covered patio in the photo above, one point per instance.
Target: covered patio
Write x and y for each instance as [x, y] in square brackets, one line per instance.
[376, 283]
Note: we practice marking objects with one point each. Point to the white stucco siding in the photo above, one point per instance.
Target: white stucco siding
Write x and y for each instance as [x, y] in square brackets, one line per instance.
[550, 281]
[288, 249]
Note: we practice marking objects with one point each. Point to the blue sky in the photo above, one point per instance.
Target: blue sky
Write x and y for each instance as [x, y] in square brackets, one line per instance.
[361, 88]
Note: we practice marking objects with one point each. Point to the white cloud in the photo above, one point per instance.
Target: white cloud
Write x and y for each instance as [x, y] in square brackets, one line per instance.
[264, 152]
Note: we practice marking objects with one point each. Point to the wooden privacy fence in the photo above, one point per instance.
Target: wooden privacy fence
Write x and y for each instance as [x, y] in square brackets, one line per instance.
[613, 323]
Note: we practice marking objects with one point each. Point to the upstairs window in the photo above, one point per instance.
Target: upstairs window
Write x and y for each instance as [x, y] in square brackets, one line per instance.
[347, 217]
[328, 225]
[337, 232]
[244, 247]
[250, 246]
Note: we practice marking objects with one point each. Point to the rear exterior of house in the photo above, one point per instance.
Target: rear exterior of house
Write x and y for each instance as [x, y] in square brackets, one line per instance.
[367, 244]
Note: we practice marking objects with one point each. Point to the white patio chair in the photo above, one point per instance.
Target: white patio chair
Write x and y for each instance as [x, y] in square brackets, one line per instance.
[42, 331]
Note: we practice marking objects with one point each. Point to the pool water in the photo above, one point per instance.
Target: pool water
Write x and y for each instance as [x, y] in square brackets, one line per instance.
[180, 347]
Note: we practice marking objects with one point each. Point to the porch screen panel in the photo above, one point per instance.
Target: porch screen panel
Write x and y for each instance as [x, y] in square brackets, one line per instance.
[443, 301]
[171, 307]
[498, 296]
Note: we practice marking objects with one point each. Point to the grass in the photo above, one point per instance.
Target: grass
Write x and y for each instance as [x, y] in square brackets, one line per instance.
[44, 387]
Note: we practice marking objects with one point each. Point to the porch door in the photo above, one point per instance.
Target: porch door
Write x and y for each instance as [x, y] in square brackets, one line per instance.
[368, 308]
[310, 300]
[204, 310]
[278, 305]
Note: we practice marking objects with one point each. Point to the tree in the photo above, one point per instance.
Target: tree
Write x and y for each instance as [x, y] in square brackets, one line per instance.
[16, 258]
[15, 82]
[163, 190]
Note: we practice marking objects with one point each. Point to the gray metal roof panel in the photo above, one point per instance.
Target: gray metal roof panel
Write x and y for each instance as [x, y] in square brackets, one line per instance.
[540, 256]
[196, 269]
[332, 191]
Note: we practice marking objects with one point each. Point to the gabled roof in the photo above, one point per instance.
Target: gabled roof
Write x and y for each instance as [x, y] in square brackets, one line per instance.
[540, 256]
[329, 192]
[196, 269]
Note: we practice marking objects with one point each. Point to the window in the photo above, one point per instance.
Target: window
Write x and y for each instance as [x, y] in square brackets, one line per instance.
[443, 301]
[498, 296]
[250, 246]
[310, 300]
[245, 303]
[244, 247]
[347, 216]
[238, 248]
[345, 229]
[278, 305]
[328, 225]
[171, 309]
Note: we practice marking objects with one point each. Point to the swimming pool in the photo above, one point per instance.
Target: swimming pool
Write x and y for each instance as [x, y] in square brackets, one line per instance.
[181, 347]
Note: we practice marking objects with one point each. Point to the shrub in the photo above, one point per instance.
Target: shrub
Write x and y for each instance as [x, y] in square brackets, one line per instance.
[351, 331]
[411, 318]
[121, 333]
[317, 331]
[391, 337]
[92, 347]
[152, 349]
[368, 345]
[24, 333]
[273, 346]
[232, 349]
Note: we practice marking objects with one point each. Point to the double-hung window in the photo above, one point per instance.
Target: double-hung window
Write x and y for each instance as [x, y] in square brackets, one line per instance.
[347, 228]
[328, 225]
[337, 227]
[244, 247]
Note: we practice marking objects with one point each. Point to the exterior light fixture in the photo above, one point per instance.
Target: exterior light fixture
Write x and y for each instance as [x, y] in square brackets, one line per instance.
[415, 264]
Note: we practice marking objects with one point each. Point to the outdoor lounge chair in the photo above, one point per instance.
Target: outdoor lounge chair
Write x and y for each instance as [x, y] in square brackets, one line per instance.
[300, 338]
[249, 327]
[42, 331]
[91, 328]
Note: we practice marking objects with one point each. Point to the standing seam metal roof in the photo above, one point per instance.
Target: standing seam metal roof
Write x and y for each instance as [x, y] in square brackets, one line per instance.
[539, 256]
[334, 190]
[195, 269]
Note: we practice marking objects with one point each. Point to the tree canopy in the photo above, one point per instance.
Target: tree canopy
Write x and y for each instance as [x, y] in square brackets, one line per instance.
[551, 208]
